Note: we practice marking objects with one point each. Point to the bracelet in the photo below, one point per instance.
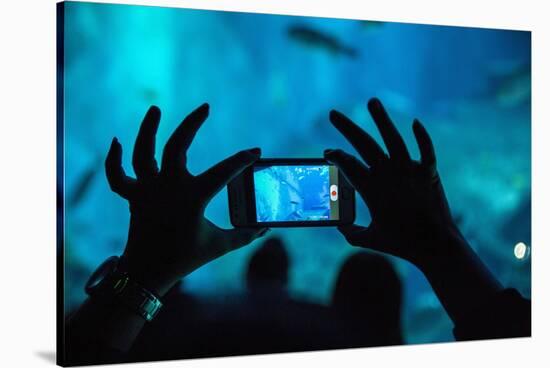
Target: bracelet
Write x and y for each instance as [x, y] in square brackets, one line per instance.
[137, 298]
[109, 282]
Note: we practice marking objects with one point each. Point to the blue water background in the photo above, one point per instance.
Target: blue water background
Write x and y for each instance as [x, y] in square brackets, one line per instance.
[470, 87]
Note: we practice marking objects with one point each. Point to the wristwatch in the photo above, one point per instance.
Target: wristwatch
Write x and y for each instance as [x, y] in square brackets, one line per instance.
[109, 282]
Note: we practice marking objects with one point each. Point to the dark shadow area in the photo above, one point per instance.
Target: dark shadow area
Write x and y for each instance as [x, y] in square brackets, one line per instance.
[367, 297]
[265, 319]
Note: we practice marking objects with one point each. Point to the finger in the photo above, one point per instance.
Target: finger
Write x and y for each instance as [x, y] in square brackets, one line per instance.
[174, 155]
[360, 236]
[215, 178]
[425, 145]
[143, 158]
[119, 182]
[244, 236]
[393, 140]
[363, 143]
[354, 170]
[227, 240]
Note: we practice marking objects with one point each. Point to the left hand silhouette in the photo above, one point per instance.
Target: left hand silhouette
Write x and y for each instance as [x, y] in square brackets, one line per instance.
[169, 236]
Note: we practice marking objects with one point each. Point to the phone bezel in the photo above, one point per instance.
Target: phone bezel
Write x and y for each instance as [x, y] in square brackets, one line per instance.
[242, 203]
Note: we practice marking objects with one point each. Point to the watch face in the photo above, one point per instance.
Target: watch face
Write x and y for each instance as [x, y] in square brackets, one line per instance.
[100, 273]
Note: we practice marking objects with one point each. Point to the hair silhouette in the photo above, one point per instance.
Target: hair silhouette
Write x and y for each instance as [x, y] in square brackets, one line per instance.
[368, 291]
[268, 267]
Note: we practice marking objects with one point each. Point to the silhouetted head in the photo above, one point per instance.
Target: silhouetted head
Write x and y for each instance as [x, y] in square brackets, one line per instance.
[268, 266]
[368, 287]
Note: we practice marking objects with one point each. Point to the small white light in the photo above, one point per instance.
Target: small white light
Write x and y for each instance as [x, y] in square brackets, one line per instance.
[521, 250]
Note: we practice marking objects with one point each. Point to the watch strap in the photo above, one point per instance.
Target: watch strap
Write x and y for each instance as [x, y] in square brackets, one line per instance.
[118, 286]
[136, 297]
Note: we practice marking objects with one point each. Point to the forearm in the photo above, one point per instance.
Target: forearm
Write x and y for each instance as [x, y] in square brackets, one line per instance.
[104, 328]
[458, 276]
[101, 332]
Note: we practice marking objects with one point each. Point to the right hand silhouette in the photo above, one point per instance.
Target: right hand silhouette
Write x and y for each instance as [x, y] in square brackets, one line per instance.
[410, 215]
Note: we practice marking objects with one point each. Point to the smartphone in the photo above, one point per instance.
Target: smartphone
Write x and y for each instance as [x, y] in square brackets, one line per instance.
[291, 193]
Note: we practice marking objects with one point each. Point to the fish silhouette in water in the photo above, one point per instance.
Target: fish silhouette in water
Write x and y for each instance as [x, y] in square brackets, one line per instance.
[84, 183]
[150, 94]
[511, 83]
[517, 227]
[318, 39]
[371, 25]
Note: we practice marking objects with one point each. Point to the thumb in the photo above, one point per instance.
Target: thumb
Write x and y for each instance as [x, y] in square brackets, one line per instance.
[360, 236]
[242, 236]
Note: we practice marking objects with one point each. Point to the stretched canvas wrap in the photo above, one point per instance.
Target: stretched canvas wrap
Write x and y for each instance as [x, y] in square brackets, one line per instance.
[139, 189]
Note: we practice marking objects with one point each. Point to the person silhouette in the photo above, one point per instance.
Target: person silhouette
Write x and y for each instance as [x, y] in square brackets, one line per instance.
[267, 272]
[367, 295]
[269, 319]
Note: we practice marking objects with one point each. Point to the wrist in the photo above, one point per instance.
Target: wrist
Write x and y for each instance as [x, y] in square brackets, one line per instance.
[457, 274]
[111, 283]
[446, 245]
[152, 280]
[159, 287]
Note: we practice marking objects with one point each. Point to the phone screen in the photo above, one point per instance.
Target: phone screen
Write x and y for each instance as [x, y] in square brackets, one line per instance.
[296, 193]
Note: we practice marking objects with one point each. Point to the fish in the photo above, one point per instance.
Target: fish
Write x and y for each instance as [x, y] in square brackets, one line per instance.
[150, 94]
[510, 83]
[84, 183]
[317, 39]
[517, 226]
[369, 25]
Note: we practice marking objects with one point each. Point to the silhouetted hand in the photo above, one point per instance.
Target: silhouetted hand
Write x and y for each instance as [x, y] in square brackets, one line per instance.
[407, 204]
[169, 236]
[411, 220]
